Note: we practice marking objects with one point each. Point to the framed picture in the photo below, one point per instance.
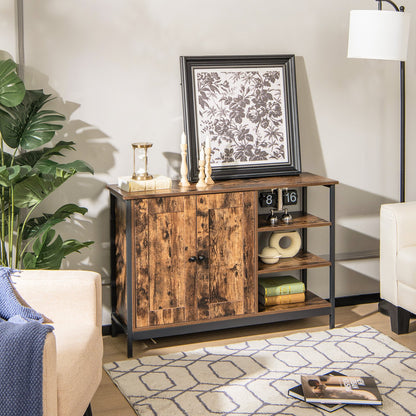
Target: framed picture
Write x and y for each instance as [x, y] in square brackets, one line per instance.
[245, 109]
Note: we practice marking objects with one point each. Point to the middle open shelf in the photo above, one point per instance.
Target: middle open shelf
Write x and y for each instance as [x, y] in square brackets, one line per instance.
[303, 260]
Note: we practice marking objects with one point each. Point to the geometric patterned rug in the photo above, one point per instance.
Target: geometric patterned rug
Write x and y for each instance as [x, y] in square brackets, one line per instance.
[253, 377]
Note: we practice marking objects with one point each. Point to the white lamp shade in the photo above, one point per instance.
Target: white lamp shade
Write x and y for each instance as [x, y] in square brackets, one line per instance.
[378, 34]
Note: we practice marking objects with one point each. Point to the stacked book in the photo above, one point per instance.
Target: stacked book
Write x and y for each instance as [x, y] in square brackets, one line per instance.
[281, 290]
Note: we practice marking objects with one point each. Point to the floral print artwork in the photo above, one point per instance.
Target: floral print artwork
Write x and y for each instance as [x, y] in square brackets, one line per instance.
[242, 111]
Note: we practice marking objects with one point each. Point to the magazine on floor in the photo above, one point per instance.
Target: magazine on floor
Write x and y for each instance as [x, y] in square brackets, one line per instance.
[340, 389]
[297, 393]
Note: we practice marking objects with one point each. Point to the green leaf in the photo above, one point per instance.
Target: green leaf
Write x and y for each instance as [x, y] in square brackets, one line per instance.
[28, 126]
[29, 261]
[7, 159]
[48, 253]
[39, 225]
[77, 166]
[70, 246]
[13, 174]
[33, 156]
[35, 189]
[49, 167]
[12, 89]
[4, 176]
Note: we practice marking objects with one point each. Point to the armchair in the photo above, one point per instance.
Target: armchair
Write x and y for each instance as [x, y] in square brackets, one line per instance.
[398, 262]
[72, 362]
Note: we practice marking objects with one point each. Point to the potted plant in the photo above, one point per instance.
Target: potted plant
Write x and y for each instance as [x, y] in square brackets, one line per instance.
[29, 173]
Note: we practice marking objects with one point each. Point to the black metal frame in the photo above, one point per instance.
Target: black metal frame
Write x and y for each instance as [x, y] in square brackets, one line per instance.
[304, 272]
[116, 322]
[181, 329]
[189, 97]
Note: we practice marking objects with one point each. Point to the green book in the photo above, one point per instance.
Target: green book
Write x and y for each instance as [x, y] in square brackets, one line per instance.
[280, 285]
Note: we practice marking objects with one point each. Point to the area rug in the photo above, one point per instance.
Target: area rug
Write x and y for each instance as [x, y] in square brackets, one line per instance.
[253, 377]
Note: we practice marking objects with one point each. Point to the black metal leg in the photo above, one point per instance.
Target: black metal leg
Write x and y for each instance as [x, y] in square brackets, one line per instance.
[304, 272]
[88, 412]
[114, 329]
[113, 262]
[129, 346]
[332, 255]
[399, 319]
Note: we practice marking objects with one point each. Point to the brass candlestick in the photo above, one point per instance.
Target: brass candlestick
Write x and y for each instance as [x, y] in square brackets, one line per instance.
[208, 170]
[184, 167]
[201, 182]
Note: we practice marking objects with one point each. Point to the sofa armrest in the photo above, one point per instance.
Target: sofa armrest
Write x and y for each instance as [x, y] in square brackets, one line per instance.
[50, 379]
[403, 218]
[62, 295]
[397, 230]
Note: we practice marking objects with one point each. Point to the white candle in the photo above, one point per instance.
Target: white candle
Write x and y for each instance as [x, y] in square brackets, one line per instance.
[183, 138]
[208, 142]
[202, 154]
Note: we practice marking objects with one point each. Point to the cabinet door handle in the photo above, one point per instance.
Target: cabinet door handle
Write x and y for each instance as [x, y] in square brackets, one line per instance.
[192, 259]
[201, 257]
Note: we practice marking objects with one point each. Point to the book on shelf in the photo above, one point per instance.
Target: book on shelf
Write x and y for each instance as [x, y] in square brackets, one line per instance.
[281, 299]
[340, 389]
[297, 393]
[280, 285]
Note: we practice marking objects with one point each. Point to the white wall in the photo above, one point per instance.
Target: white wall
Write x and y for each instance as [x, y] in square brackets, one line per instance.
[115, 67]
[8, 30]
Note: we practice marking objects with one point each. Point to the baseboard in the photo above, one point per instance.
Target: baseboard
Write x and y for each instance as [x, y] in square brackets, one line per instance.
[357, 299]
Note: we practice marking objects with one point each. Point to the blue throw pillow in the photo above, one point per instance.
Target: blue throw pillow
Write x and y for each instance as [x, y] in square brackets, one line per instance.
[9, 304]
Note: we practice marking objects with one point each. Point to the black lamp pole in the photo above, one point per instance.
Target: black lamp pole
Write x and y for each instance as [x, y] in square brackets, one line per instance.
[402, 113]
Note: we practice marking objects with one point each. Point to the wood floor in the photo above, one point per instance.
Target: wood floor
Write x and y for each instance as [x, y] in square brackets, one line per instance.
[109, 401]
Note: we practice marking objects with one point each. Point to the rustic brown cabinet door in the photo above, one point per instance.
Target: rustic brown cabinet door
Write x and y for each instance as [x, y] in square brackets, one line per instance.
[226, 271]
[165, 239]
[194, 258]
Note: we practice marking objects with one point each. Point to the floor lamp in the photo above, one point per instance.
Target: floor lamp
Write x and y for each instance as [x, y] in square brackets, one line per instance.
[380, 34]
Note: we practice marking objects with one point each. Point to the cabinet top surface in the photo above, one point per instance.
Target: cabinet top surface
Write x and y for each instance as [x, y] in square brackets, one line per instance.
[235, 185]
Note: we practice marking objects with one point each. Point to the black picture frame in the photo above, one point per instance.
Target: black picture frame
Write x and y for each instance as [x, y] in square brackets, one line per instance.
[247, 106]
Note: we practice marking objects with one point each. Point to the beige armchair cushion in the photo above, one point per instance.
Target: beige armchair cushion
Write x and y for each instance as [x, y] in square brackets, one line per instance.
[73, 352]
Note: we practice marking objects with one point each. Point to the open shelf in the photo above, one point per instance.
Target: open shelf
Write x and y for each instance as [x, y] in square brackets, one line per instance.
[300, 220]
[312, 301]
[303, 260]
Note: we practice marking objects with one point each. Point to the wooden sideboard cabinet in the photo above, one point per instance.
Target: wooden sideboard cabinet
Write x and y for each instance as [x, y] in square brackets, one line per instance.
[185, 259]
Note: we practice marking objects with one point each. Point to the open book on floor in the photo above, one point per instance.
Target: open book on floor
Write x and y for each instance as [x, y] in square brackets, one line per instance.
[340, 389]
[297, 393]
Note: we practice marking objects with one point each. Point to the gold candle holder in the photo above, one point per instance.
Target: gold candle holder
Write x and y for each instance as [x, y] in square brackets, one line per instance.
[140, 153]
[184, 167]
[208, 170]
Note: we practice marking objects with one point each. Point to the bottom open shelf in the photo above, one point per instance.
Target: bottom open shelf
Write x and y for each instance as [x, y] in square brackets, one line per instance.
[312, 301]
